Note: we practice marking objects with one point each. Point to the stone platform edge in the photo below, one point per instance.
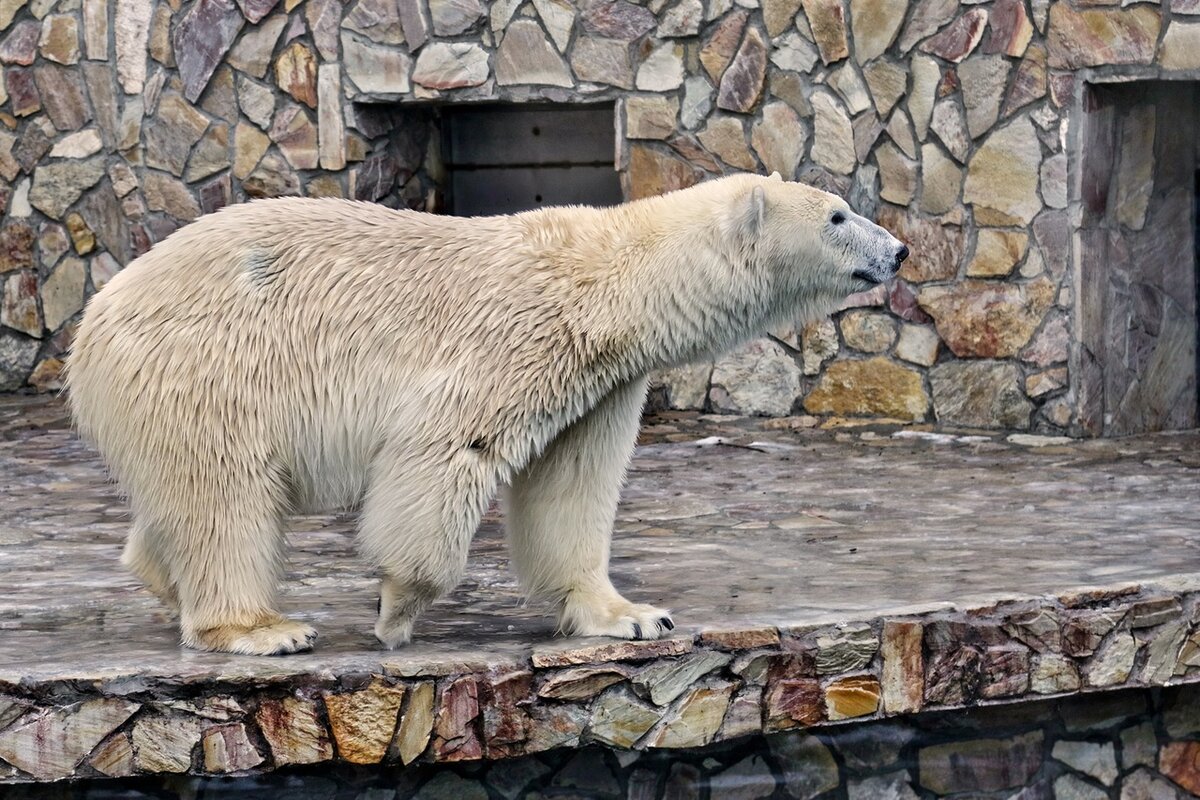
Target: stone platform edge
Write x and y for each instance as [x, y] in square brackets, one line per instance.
[681, 692]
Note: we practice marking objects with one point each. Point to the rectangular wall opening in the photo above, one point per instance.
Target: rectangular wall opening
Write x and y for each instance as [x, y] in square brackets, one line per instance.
[501, 159]
[1136, 251]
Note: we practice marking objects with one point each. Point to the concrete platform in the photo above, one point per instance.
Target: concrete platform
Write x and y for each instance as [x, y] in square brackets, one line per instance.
[815, 575]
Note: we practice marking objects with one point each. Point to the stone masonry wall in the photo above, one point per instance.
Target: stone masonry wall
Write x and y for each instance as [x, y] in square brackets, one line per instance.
[671, 695]
[950, 122]
[1127, 745]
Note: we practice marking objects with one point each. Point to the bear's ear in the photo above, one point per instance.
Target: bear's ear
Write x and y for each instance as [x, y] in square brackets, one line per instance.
[747, 213]
[755, 212]
[775, 176]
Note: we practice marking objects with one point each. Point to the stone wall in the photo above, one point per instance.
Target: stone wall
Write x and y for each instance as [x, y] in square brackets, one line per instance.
[679, 693]
[951, 123]
[1128, 745]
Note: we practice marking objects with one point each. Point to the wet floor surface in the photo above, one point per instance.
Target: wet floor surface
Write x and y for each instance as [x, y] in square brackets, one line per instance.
[729, 522]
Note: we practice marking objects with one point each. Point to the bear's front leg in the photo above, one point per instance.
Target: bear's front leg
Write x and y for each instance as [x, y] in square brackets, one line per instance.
[417, 522]
[560, 511]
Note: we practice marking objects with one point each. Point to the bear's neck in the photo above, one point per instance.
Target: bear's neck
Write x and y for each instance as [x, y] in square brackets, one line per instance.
[676, 289]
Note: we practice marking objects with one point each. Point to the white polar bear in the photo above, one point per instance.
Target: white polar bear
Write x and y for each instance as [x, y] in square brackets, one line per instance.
[292, 355]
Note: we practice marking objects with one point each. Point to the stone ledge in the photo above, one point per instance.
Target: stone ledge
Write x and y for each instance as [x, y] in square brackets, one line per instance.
[682, 692]
[919, 570]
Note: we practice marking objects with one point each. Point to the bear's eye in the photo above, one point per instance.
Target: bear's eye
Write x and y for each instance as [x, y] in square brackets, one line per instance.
[838, 218]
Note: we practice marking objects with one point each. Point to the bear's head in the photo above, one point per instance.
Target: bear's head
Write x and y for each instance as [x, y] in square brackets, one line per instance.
[811, 248]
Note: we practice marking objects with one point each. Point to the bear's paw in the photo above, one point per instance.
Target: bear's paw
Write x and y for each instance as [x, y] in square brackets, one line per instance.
[279, 638]
[617, 618]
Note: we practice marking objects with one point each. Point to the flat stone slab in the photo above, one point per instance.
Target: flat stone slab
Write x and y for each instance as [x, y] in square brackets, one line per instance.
[815, 576]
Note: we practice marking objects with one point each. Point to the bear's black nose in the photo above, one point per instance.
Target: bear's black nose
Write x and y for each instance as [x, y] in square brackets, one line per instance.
[901, 254]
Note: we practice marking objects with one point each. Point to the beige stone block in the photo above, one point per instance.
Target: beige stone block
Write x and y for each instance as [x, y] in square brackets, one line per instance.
[1003, 174]
[249, 146]
[416, 725]
[855, 696]
[363, 721]
[330, 121]
[833, 136]
[868, 331]
[779, 138]
[941, 181]
[918, 344]
[997, 253]
[874, 25]
[874, 387]
[650, 116]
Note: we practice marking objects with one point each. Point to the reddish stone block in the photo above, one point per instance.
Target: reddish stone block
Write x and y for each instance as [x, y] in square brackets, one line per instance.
[953, 677]
[1005, 672]
[254, 10]
[23, 92]
[902, 301]
[742, 84]
[740, 639]
[16, 246]
[454, 727]
[1009, 29]
[1030, 81]
[1083, 632]
[936, 249]
[617, 19]
[1062, 88]
[201, 40]
[505, 700]
[20, 46]
[959, 38]
[793, 703]
[1180, 761]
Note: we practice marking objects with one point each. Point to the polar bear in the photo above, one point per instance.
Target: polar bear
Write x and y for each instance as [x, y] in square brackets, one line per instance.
[293, 355]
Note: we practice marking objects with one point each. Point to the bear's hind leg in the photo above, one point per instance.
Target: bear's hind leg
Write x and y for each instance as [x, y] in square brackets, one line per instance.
[225, 555]
[419, 515]
[143, 557]
[560, 511]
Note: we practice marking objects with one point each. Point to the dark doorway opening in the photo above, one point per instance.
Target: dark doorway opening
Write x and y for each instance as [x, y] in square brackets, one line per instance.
[500, 159]
[1136, 308]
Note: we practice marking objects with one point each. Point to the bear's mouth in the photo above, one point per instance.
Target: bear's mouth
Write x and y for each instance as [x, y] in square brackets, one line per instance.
[867, 275]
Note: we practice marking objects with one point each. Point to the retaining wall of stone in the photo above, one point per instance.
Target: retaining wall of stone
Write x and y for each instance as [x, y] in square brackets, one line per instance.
[679, 693]
[948, 122]
[1131, 745]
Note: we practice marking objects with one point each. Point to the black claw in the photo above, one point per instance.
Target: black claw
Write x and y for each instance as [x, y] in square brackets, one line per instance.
[666, 623]
[637, 631]
[379, 605]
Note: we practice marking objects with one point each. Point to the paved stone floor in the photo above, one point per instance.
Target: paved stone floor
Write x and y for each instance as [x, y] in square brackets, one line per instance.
[729, 522]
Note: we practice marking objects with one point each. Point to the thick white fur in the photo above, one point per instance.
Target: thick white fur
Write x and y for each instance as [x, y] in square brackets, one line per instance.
[293, 355]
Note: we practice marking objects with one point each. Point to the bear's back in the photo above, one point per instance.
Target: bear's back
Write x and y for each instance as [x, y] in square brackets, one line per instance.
[299, 315]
